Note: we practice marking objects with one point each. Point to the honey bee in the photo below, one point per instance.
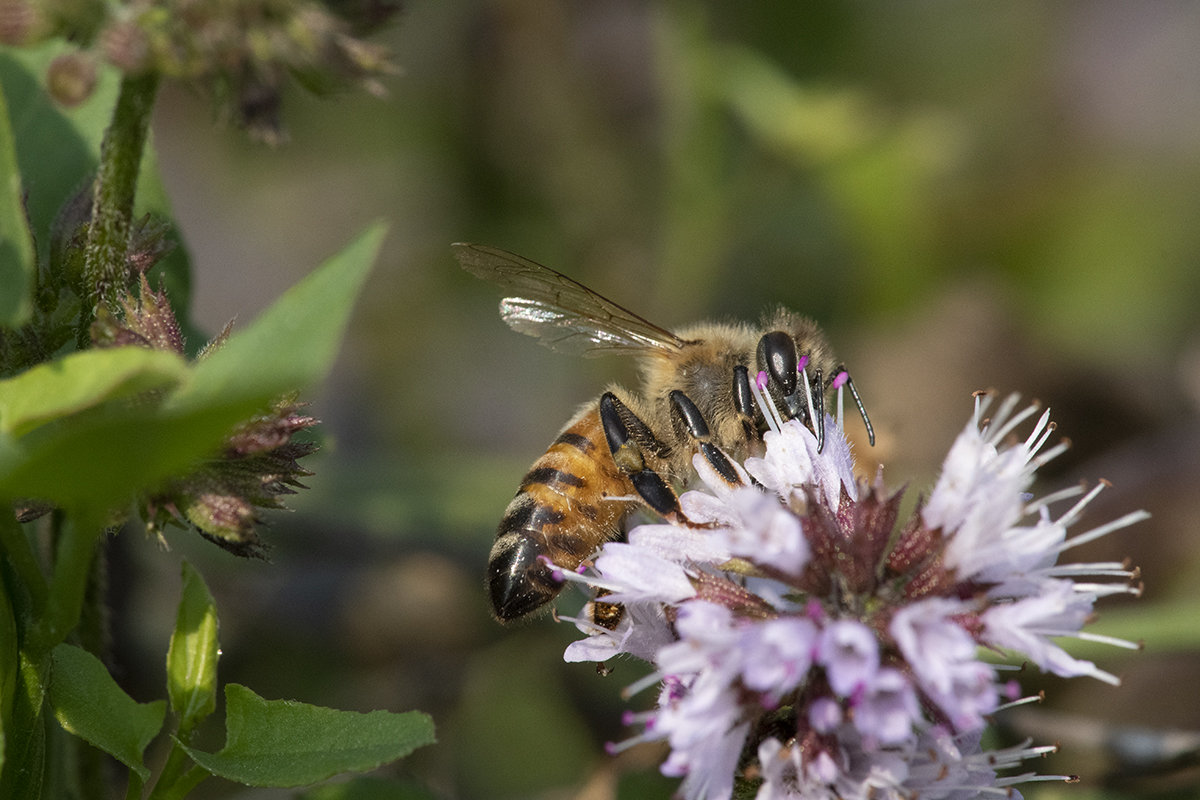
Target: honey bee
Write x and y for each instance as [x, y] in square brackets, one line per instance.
[626, 449]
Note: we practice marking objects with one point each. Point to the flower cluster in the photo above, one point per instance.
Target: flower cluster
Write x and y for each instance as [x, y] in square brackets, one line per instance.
[240, 52]
[258, 463]
[807, 642]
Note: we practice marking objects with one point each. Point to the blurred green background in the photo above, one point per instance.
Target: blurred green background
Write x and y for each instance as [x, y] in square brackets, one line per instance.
[965, 194]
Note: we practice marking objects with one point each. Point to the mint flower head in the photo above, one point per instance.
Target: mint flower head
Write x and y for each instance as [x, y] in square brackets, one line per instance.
[257, 465]
[808, 644]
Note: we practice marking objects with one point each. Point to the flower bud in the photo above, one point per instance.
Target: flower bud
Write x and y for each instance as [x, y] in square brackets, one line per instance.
[18, 20]
[71, 78]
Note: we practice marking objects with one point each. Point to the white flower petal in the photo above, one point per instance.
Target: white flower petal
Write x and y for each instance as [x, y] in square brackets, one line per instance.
[634, 574]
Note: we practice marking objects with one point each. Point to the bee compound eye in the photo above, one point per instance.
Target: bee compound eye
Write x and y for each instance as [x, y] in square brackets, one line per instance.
[777, 355]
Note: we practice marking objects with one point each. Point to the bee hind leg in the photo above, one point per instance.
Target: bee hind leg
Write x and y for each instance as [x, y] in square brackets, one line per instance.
[626, 435]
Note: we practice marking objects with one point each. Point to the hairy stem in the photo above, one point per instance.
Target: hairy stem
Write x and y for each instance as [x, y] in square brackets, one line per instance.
[116, 182]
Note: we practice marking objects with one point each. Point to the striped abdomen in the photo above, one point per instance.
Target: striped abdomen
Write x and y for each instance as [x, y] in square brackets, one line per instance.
[562, 511]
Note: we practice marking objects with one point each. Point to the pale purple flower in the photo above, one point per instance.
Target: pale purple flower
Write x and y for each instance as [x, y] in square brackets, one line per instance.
[944, 659]
[824, 714]
[1027, 625]
[778, 655]
[765, 531]
[849, 652]
[797, 621]
[792, 463]
[633, 573]
[887, 709]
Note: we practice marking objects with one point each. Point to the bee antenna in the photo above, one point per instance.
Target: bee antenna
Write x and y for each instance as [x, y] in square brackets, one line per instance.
[849, 384]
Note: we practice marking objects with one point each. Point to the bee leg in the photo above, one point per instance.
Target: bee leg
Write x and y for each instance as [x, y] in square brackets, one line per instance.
[693, 422]
[606, 615]
[842, 378]
[818, 400]
[743, 401]
[625, 433]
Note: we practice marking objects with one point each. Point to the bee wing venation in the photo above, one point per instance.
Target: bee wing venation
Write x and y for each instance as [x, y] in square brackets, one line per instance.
[562, 313]
[570, 332]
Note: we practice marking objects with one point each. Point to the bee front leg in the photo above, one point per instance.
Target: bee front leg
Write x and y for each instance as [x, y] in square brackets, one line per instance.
[693, 422]
[743, 401]
[624, 430]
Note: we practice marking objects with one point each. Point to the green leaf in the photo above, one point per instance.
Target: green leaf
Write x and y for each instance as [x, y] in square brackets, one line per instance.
[88, 703]
[25, 745]
[285, 743]
[192, 655]
[83, 380]
[17, 260]
[57, 148]
[292, 343]
[97, 459]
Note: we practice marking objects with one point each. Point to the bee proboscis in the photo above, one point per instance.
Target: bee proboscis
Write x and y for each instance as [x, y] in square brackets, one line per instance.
[627, 448]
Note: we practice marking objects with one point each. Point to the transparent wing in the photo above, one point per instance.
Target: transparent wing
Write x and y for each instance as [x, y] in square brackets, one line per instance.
[563, 314]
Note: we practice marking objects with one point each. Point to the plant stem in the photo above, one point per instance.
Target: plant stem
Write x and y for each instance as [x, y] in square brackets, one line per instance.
[105, 268]
[178, 777]
[134, 790]
[15, 544]
[72, 565]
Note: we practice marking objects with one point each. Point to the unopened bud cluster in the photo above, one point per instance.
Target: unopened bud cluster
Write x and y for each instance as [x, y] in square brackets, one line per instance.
[257, 465]
[239, 52]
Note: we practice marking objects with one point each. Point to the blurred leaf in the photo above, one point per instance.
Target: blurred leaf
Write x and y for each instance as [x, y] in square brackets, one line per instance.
[286, 743]
[83, 380]
[647, 784]
[369, 787]
[192, 655]
[517, 686]
[806, 126]
[17, 261]
[1167, 627]
[88, 703]
[57, 148]
[1123, 249]
[99, 458]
